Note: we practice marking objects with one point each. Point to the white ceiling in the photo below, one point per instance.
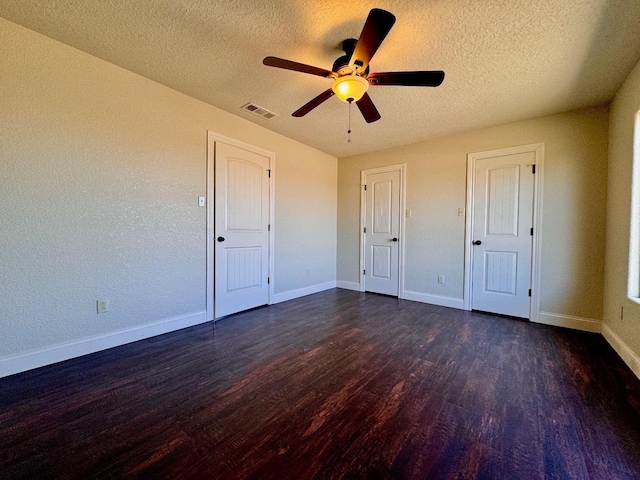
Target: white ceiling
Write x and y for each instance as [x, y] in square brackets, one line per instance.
[504, 60]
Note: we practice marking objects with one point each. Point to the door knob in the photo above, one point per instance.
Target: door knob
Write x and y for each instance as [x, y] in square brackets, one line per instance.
[221, 239]
[477, 242]
[394, 239]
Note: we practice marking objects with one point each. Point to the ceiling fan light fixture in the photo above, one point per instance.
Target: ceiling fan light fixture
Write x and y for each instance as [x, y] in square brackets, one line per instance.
[351, 71]
[350, 88]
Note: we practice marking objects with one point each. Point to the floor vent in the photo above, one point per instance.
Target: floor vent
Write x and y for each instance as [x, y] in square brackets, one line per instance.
[258, 110]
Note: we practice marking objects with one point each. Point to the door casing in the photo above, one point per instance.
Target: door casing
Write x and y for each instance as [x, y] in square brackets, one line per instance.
[363, 175]
[212, 138]
[538, 150]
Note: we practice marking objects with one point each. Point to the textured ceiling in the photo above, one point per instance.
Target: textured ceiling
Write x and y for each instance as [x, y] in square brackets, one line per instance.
[504, 60]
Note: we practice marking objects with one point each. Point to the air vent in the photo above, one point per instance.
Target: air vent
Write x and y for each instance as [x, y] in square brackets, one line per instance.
[258, 110]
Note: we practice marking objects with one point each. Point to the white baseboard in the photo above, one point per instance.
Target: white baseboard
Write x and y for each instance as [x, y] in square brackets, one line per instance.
[65, 351]
[348, 285]
[301, 292]
[567, 321]
[628, 356]
[441, 300]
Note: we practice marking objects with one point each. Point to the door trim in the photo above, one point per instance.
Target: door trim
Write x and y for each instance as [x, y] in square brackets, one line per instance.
[538, 150]
[212, 138]
[363, 174]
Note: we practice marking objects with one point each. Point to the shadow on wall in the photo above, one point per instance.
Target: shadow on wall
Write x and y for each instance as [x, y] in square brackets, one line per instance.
[612, 16]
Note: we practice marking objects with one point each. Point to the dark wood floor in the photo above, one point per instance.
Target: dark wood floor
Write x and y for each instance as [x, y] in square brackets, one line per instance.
[334, 385]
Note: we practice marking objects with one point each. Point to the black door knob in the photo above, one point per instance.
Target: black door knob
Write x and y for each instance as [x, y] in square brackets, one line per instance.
[394, 239]
[221, 239]
[477, 242]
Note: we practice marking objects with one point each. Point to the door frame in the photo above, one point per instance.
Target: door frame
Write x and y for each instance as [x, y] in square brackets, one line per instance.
[363, 175]
[212, 138]
[536, 255]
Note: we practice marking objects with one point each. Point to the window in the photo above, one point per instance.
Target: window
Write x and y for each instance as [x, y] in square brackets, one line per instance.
[634, 241]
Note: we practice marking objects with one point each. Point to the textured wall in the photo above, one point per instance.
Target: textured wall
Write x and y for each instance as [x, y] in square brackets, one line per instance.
[573, 218]
[100, 170]
[504, 60]
[623, 111]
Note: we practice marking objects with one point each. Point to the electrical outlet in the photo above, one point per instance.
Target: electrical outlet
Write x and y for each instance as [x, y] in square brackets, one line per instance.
[440, 278]
[102, 305]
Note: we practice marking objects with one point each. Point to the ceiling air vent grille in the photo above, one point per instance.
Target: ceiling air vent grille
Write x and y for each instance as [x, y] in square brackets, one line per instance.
[259, 111]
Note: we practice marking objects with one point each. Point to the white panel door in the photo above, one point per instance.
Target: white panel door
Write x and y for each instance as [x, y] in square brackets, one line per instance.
[502, 235]
[241, 229]
[382, 226]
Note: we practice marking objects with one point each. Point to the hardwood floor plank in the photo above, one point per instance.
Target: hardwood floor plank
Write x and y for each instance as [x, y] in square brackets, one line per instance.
[338, 384]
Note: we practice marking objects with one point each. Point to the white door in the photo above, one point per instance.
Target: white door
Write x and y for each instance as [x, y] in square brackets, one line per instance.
[502, 234]
[241, 229]
[381, 232]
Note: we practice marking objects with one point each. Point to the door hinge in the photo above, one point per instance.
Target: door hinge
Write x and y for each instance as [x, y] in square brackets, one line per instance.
[533, 168]
[365, 229]
[365, 188]
[529, 292]
[531, 231]
[269, 228]
[268, 280]
[364, 272]
[269, 172]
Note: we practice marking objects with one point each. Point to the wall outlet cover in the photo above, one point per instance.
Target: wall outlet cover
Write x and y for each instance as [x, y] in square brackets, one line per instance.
[102, 305]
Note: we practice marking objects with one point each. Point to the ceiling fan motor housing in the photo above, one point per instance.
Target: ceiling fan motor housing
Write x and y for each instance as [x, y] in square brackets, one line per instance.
[348, 46]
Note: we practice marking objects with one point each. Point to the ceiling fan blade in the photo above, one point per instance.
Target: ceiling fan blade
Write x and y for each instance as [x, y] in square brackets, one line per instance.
[296, 67]
[368, 109]
[431, 78]
[376, 28]
[323, 97]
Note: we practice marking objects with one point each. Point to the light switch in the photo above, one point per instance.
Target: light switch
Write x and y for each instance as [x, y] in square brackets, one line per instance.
[408, 214]
[461, 212]
[201, 201]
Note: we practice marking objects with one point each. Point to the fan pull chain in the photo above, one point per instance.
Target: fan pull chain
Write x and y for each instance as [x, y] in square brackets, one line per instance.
[349, 131]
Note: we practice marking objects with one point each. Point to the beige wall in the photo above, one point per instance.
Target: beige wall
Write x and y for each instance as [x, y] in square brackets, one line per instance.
[573, 227]
[100, 170]
[623, 333]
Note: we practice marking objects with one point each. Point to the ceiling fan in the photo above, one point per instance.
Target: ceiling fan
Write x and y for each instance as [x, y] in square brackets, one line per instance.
[350, 73]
